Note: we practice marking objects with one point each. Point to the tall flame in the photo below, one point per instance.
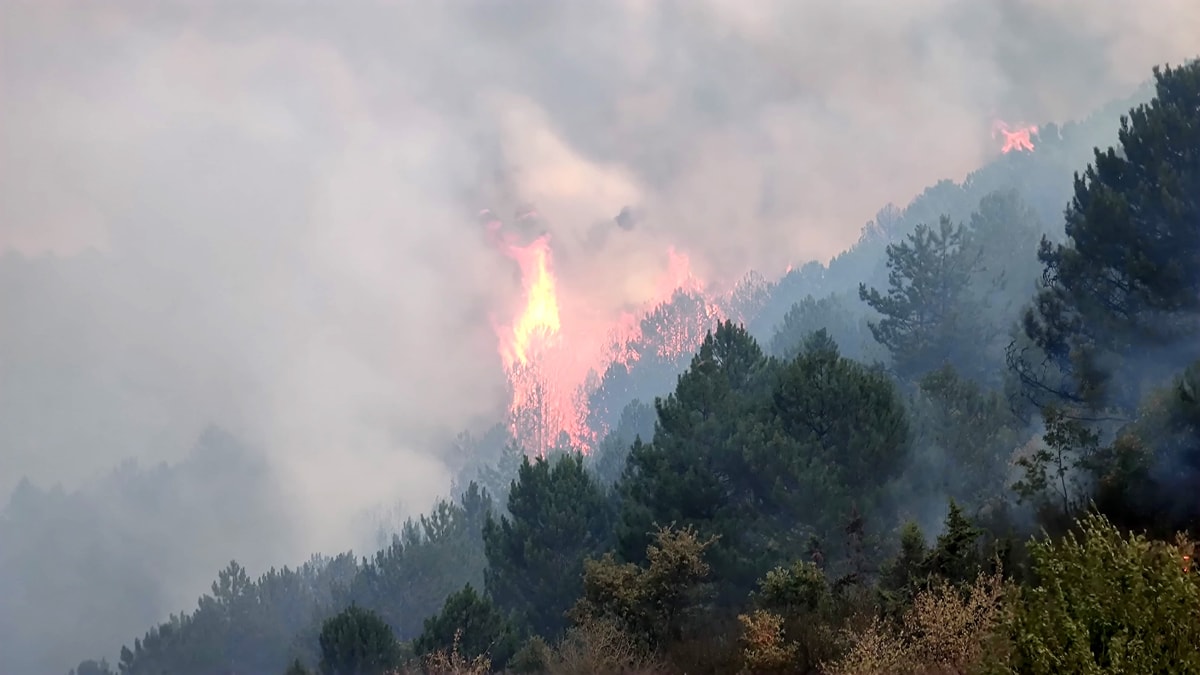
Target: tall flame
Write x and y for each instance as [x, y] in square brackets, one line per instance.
[545, 410]
[556, 348]
[1020, 138]
[538, 325]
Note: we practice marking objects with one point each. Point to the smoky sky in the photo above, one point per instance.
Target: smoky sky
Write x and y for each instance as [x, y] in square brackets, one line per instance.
[262, 215]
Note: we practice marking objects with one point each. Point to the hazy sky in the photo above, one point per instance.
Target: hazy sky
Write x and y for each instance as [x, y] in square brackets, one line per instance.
[280, 197]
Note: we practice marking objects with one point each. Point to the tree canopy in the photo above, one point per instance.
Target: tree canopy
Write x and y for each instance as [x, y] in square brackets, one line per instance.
[1119, 303]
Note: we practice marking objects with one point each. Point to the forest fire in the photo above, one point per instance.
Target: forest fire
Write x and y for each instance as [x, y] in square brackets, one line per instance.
[542, 408]
[554, 351]
[538, 324]
[1020, 138]
[679, 275]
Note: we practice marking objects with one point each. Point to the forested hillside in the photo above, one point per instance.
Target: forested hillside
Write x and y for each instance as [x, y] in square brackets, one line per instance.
[971, 443]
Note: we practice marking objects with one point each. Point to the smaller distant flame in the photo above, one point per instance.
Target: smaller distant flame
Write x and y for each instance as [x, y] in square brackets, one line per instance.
[1020, 138]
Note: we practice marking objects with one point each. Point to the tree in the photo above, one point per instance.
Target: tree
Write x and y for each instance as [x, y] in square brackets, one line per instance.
[844, 415]
[358, 642]
[651, 363]
[650, 603]
[963, 438]
[490, 460]
[244, 625]
[798, 590]
[761, 454]
[794, 607]
[956, 557]
[636, 423]
[1056, 472]
[431, 557]
[698, 472]
[471, 624]
[948, 629]
[558, 515]
[1119, 302]
[929, 318]
[848, 328]
[1005, 231]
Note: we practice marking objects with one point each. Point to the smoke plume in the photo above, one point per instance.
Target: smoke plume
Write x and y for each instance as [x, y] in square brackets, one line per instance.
[264, 216]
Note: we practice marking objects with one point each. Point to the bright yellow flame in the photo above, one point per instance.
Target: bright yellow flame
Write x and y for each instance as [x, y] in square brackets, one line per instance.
[555, 355]
[538, 322]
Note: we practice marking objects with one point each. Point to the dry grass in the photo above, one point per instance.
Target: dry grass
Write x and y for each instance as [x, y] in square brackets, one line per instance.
[764, 646]
[453, 662]
[945, 631]
[602, 647]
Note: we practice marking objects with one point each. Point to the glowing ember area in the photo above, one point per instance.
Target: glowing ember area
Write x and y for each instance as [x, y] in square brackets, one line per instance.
[678, 328]
[624, 336]
[1014, 139]
[679, 275]
[555, 348]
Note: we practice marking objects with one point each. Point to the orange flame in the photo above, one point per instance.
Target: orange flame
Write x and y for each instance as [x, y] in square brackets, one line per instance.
[538, 323]
[1020, 138]
[555, 353]
[544, 413]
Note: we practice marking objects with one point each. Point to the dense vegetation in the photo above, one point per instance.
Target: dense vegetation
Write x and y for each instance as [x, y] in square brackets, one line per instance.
[1032, 396]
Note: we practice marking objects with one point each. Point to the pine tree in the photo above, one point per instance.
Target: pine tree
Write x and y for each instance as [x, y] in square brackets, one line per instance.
[956, 557]
[1119, 305]
[843, 415]
[358, 642]
[471, 624]
[929, 318]
[699, 472]
[431, 557]
[558, 515]
[91, 667]
[903, 576]
[836, 314]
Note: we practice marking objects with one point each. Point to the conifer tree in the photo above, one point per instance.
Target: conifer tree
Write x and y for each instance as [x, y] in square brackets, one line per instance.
[929, 319]
[699, 472]
[358, 642]
[558, 515]
[470, 623]
[1120, 297]
[843, 414]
